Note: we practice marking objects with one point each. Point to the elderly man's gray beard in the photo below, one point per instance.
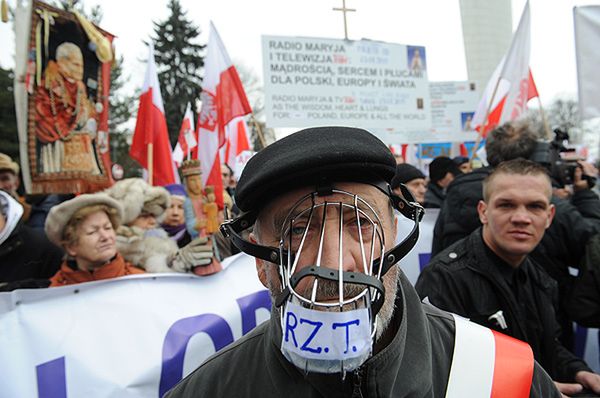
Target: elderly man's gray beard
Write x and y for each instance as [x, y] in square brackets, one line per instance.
[329, 289]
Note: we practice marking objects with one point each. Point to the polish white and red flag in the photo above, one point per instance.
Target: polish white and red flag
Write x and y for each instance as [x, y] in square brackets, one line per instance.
[511, 85]
[223, 100]
[187, 137]
[151, 129]
[237, 142]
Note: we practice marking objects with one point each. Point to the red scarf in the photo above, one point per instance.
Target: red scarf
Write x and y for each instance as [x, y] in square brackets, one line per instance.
[113, 269]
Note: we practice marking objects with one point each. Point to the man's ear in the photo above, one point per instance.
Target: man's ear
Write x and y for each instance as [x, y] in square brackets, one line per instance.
[260, 264]
[481, 210]
[551, 212]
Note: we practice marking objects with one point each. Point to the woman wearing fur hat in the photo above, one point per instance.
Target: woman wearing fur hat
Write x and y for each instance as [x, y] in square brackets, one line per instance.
[143, 242]
[85, 228]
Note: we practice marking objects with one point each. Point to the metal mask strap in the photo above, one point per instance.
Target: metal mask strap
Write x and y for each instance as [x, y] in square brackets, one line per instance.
[231, 229]
[333, 275]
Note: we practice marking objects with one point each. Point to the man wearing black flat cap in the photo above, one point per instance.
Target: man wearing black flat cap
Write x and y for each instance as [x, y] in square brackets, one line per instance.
[345, 321]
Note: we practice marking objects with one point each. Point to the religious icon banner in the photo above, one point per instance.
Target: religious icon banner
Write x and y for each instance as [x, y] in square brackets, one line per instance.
[68, 82]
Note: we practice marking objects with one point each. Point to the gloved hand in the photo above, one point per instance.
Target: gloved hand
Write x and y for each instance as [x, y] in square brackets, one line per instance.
[197, 253]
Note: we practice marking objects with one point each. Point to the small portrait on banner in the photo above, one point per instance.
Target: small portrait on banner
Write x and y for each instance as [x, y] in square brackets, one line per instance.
[416, 58]
[466, 121]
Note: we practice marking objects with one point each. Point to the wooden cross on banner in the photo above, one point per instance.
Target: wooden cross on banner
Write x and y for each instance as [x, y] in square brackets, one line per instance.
[344, 10]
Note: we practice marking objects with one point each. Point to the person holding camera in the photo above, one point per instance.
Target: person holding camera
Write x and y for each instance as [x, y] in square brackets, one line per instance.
[563, 245]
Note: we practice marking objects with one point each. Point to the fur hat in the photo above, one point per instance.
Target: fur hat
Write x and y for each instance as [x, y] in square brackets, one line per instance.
[138, 197]
[6, 163]
[59, 215]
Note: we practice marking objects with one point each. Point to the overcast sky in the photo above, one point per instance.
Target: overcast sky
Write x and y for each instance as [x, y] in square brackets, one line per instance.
[433, 23]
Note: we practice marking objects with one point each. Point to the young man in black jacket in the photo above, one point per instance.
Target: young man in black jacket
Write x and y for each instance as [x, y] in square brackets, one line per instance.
[489, 277]
[563, 245]
[345, 321]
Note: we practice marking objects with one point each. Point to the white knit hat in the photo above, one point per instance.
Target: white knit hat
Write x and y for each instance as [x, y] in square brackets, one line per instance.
[59, 215]
[137, 196]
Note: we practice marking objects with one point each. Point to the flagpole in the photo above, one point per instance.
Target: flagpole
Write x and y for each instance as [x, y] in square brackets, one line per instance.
[487, 114]
[150, 164]
[261, 137]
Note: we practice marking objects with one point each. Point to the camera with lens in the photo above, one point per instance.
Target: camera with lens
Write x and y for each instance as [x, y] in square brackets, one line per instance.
[562, 171]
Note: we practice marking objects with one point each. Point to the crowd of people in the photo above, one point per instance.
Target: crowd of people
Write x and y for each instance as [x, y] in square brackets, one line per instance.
[513, 251]
[130, 228]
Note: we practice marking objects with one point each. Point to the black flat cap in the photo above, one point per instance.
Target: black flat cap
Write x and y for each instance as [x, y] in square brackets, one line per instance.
[309, 156]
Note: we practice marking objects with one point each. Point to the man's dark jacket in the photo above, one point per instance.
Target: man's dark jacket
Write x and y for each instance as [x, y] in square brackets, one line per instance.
[28, 254]
[466, 279]
[458, 214]
[434, 196]
[584, 302]
[416, 363]
[562, 246]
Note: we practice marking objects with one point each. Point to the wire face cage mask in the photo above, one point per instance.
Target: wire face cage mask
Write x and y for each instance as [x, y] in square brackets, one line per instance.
[332, 284]
[331, 258]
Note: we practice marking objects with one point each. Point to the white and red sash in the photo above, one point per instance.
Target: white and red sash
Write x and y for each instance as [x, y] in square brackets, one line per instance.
[488, 364]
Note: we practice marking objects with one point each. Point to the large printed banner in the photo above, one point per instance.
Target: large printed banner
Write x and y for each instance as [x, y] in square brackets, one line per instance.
[67, 82]
[375, 85]
[135, 337]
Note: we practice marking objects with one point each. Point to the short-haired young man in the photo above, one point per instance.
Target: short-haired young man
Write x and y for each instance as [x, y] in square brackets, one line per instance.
[489, 278]
[563, 245]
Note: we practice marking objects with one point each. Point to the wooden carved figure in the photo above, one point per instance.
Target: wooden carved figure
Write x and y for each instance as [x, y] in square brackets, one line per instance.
[211, 210]
[193, 183]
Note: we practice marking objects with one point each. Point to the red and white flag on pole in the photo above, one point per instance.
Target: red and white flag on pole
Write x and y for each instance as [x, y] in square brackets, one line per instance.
[223, 99]
[236, 134]
[187, 137]
[511, 85]
[151, 129]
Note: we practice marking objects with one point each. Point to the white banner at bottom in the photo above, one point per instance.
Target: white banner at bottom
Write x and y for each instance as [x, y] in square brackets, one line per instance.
[130, 337]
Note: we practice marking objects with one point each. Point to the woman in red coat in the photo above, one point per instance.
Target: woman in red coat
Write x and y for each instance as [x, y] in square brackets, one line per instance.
[85, 227]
